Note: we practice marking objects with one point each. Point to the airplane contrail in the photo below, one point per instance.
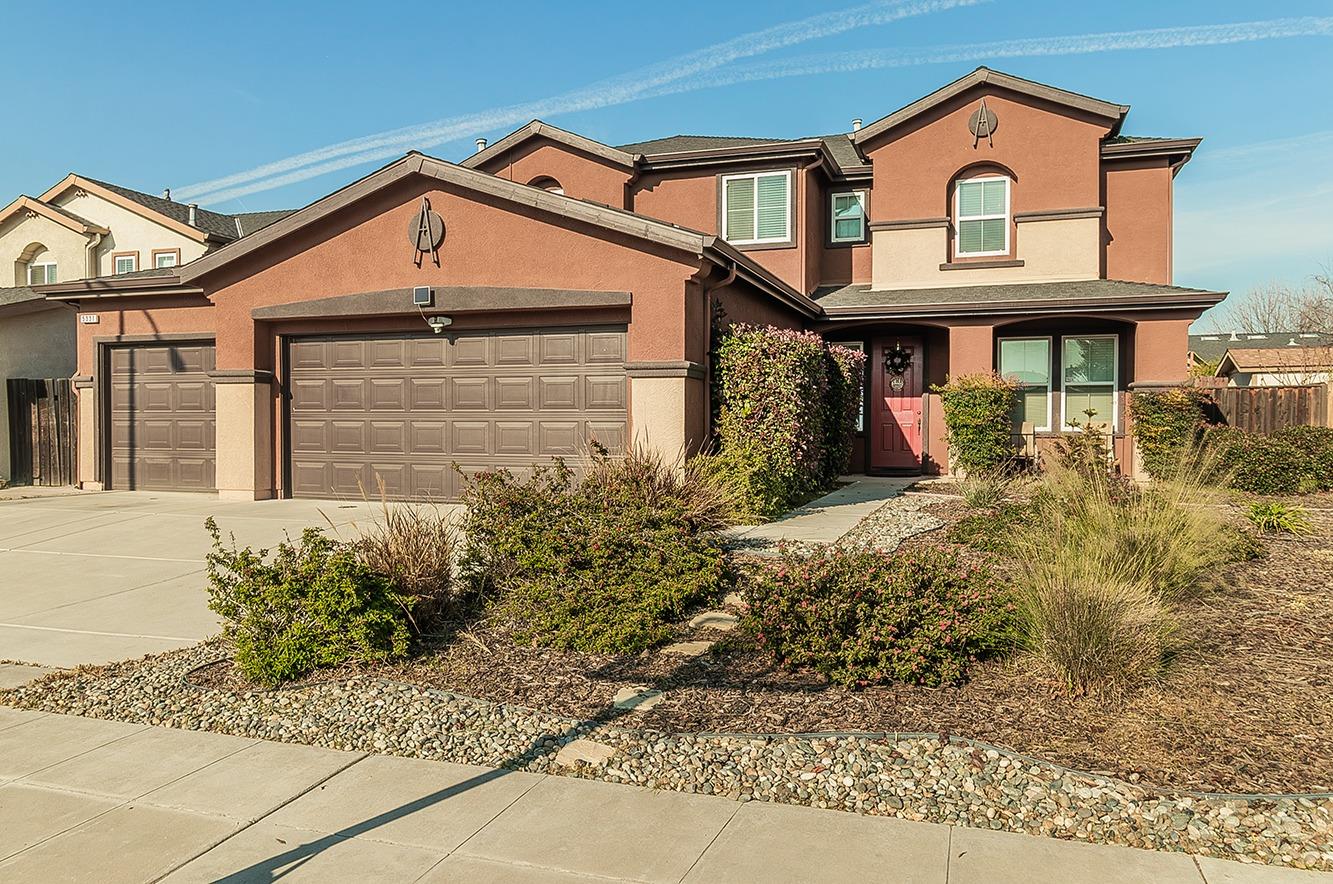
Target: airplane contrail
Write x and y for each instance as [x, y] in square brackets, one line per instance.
[615, 90]
[387, 145]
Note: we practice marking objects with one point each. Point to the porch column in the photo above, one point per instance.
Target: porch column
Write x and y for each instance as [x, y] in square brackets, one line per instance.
[666, 406]
[971, 349]
[1161, 351]
[244, 434]
[86, 397]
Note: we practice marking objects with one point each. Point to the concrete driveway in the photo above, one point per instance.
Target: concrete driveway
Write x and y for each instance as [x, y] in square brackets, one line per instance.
[97, 577]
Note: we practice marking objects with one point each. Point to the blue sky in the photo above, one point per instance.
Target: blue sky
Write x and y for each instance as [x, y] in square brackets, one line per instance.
[181, 95]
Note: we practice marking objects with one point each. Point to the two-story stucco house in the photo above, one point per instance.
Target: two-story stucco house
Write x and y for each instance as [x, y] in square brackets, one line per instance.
[82, 229]
[552, 289]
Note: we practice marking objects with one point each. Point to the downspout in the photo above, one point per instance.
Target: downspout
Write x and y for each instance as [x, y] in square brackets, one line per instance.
[90, 257]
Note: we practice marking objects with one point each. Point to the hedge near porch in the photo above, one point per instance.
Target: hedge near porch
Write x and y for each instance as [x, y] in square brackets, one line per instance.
[787, 417]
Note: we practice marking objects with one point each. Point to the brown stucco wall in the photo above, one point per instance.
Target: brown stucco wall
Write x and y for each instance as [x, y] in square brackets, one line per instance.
[581, 175]
[1138, 235]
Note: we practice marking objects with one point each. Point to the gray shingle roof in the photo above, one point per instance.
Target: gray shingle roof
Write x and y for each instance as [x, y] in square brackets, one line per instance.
[251, 221]
[17, 295]
[1092, 291]
[1211, 347]
[209, 222]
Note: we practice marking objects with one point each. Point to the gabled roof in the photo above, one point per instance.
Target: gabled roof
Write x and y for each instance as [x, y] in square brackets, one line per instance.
[1212, 346]
[248, 222]
[210, 226]
[538, 129]
[1318, 358]
[185, 278]
[60, 216]
[1115, 113]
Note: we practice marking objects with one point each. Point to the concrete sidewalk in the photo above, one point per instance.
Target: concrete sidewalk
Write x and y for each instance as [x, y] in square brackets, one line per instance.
[824, 519]
[85, 800]
[98, 577]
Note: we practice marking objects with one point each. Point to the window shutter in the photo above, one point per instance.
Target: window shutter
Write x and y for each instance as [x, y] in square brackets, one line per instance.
[740, 209]
[773, 204]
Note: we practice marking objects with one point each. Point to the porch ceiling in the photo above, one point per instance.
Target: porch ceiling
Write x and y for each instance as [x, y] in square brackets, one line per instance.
[862, 302]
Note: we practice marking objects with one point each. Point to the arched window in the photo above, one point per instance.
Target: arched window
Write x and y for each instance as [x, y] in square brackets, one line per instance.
[981, 215]
[547, 183]
[37, 266]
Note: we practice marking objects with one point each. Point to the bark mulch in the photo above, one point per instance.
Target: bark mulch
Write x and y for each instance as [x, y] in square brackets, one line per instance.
[1247, 706]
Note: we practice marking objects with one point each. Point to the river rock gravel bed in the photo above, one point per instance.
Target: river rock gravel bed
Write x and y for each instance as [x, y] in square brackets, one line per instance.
[915, 778]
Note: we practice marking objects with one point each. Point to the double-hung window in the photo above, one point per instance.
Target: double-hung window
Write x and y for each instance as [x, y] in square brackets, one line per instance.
[1028, 362]
[165, 259]
[848, 223]
[126, 264]
[43, 273]
[981, 217]
[756, 208]
[1090, 374]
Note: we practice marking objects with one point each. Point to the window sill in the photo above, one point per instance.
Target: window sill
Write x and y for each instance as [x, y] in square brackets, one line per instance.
[983, 264]
[846, 243]
[761, 246]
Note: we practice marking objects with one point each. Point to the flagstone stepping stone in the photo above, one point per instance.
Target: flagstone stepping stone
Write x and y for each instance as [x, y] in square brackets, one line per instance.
[586, 751]
[688, 649]
[715, 620]
[637, 698]
[734, 600]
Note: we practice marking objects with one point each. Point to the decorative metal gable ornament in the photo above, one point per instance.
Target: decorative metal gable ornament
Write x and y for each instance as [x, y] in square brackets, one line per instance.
[896, 363]
[982, 123]
[426, 232]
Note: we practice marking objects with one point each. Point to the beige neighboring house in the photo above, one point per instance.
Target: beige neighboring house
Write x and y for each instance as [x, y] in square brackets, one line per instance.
[80, 229]
[1276, 366]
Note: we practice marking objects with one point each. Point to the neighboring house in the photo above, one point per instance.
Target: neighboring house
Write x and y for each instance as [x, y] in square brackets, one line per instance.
[80, 229]
[575, 290]
[1267, 359]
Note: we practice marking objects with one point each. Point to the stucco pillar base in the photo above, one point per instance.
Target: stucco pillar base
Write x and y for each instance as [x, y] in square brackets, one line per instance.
[92, 486]
[657, 412]
[244, 438]
[86, 403]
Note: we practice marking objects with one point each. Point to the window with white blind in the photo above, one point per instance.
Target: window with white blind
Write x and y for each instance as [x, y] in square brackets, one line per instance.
[41, 273]
[849, 216]
[1028, 361]
[981, 217]
[1091, 371]
[126, 264]
[756, 208]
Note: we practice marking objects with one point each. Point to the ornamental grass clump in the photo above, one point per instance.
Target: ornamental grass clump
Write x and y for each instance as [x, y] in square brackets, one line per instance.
[602, 564]
[310, 604]
[862, 617]
[1104, 571]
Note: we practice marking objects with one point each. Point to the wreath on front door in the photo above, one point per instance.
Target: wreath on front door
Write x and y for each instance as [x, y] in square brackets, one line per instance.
[897, 361]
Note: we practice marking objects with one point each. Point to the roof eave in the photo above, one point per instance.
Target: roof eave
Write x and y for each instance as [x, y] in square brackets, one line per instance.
[1201, 300]
[539, 129]
[103, 287]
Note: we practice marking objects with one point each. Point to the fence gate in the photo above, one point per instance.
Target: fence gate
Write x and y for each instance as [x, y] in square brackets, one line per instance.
[42, 431]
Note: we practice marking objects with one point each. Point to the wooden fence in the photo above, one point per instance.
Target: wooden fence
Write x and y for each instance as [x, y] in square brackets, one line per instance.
[43, 431]
[1266, 409]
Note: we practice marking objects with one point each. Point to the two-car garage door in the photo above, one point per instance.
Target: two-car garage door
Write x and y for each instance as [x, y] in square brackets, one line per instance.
[403, 410]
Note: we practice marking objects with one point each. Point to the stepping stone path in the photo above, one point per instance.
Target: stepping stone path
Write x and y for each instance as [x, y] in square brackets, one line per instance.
[688, 649]
[637, 698]
[734, 600]
[587, 751]
[715, 620]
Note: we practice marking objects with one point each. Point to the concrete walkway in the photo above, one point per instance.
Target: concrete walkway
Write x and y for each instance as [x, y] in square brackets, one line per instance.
[86, 800]
[824, 519]
[97, 577]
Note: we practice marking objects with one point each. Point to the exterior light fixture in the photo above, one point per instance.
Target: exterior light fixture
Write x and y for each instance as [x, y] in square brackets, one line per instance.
[439, 323]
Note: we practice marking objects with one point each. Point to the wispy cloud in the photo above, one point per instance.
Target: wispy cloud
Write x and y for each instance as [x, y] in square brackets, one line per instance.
[712, 67]
[631, 86]
[1079, 44]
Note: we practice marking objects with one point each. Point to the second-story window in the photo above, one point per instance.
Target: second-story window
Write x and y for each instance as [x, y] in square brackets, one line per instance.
[165, 259]
[126, 264]
[41, 273]
[849, 216]
[981, 217]
[756, 208]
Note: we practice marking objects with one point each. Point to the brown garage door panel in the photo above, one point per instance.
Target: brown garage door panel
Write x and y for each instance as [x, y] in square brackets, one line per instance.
[403, 410]
[162, 417]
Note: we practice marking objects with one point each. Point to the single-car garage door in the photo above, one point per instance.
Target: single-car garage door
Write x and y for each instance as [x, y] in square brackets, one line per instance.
[403, 410]
[162, 418]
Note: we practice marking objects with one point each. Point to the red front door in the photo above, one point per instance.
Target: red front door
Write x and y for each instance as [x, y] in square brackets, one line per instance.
[895, 404]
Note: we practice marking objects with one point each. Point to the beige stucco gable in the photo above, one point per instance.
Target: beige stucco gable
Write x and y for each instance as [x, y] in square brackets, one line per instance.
[130, 232]
[25, 234]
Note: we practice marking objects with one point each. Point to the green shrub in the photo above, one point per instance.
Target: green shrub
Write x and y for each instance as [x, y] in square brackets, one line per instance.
[994, 530]
[787, 406]
[1104, 568]
[978, 415]
[602, 565]
[312, 604]
[861, 617]
[1167, 424]
[1278, 518]
[1294, 460]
